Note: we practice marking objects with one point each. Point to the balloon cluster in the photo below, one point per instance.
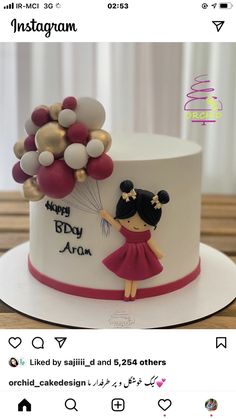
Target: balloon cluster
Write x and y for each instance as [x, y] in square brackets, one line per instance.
[65, 144]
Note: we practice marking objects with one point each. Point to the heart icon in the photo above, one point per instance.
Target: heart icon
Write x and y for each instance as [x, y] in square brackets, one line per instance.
[14, 342]
[164, 404]
[160, 383]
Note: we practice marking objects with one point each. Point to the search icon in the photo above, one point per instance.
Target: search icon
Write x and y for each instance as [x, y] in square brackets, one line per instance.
[70, 404]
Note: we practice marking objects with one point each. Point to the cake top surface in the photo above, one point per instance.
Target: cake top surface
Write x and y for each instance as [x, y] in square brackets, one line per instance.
[143, 146]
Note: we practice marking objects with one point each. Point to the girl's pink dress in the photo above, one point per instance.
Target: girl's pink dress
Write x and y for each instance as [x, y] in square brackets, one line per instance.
[134, 260]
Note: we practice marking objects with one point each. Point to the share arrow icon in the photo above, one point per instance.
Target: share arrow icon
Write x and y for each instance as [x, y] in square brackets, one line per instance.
[60, 341]
[218, 24]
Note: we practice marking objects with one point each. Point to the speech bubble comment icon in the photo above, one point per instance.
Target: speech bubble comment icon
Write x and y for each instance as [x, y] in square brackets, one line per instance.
[164, 404]
[38, 343]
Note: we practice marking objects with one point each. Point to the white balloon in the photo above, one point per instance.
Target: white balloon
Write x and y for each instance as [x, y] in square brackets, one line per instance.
[95, 148]
[29, 163]
[46, 158]
[66, 117]
[30, 127]
[90, 112]
[76, 156]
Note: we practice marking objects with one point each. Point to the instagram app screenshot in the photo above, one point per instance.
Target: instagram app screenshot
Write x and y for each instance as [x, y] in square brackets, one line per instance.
[117, 209]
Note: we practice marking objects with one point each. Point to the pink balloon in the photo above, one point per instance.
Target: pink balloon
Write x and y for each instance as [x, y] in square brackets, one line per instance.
[29, 143]
[69, 102]
[78, 133]
[40, 116]
[18, 175]
[57, 180]
[100, 168]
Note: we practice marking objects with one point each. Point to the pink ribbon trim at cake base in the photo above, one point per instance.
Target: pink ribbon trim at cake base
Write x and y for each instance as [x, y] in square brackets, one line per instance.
[113, 294]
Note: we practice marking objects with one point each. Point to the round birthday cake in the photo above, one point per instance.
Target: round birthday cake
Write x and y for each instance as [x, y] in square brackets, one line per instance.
[114, 218]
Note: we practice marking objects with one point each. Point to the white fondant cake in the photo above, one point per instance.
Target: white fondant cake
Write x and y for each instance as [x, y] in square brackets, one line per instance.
[68, 245]
[99, 226]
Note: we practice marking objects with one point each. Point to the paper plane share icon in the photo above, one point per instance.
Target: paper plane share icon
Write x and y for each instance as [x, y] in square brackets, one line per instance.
[218, 24]
[60, 341]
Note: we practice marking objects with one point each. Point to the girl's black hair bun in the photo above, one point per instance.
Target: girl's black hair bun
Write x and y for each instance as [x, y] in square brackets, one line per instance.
[126, 186]
[163, 197]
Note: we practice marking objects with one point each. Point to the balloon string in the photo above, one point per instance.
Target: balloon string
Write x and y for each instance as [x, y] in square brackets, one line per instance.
[94, 194]
[90, 193]
[86, 210]
[87, 198]
[99, 195]
[82, 192]
[91, 186]
[81, 198]
[75, 203]
[81, 207]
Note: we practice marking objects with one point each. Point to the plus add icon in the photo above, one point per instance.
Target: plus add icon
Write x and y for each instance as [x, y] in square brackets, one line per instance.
[118, 405]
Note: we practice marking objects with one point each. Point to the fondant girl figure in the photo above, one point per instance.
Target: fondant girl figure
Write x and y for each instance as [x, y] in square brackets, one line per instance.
[136, 212]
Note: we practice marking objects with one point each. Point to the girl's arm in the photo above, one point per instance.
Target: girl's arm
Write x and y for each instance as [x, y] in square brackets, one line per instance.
[106, 216]
[155, 249]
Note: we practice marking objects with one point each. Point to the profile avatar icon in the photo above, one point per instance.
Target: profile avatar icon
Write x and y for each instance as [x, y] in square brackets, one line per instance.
[13, 362]
[211, 405]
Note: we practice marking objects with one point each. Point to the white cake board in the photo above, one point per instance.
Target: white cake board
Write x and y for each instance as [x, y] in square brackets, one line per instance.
[214, 289]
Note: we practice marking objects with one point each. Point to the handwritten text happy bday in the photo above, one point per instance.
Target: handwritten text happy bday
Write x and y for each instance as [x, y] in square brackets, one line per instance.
[58, 209]
[66, 228]
[61, 227]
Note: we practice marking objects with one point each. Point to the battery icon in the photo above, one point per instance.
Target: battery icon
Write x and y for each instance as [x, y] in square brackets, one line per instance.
[225, 5]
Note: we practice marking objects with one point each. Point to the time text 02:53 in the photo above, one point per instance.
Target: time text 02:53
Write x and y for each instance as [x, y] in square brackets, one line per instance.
[118, 5]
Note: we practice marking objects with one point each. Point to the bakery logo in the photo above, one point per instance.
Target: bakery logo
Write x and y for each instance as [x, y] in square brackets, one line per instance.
[121, 319]
[202, 105]
[46, 27]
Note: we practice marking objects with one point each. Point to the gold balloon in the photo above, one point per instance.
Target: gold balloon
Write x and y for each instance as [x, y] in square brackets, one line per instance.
[80, 175]
[51, 137]
[19, 149]
[31, 190]
[103, 136]
[54, 110]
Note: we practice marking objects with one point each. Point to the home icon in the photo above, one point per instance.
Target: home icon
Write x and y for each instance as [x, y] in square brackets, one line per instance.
[24, 405]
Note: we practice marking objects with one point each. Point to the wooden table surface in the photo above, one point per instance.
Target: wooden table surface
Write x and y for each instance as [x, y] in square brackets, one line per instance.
[218, 230]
